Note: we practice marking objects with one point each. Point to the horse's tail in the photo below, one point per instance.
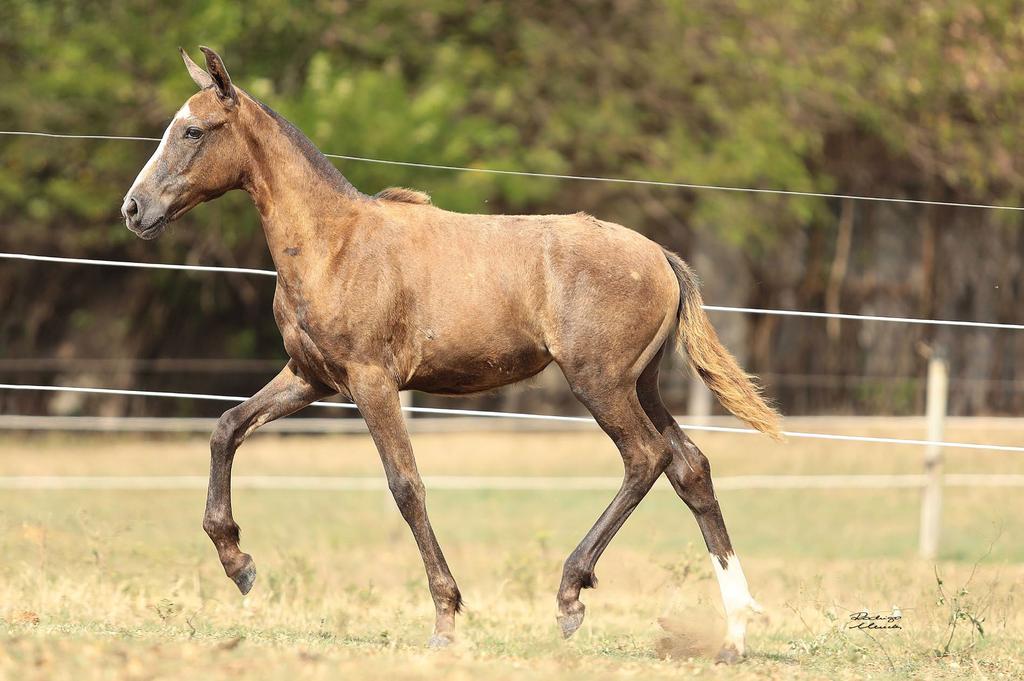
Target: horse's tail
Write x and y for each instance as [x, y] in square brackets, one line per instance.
[734, 388]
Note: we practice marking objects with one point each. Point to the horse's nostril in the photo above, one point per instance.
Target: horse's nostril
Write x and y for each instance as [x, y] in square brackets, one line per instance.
[131, 208]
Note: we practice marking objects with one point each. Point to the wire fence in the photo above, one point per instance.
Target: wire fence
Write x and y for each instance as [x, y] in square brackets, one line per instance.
[232, 366]
[519, 415]
[585, 178]
[683, 185]
[516, 415]
[710, 308]
[931, 482]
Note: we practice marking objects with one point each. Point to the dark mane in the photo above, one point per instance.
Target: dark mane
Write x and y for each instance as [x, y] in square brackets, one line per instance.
[320, 163]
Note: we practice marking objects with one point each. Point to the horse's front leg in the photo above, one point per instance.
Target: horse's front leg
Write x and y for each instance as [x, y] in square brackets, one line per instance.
[288, 392]
[376, 395]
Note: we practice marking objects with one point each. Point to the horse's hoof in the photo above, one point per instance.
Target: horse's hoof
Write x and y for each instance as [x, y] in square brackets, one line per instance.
[571, 622]
[728, 655]
[438, 641]
[245, 577]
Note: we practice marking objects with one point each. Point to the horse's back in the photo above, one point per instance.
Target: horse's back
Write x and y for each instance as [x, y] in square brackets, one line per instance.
[552, 280]
[539, 267]
[493, 299]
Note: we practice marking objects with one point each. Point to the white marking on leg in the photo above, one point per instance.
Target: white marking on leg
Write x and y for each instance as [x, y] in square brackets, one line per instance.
[739, 604]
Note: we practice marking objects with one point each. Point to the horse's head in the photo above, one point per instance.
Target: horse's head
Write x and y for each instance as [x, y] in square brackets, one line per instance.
[201, 156]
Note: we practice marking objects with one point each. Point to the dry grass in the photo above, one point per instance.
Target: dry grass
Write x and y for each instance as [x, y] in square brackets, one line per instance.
[105, 585]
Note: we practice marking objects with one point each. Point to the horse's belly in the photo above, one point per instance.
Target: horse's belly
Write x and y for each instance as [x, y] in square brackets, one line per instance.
[466, 372]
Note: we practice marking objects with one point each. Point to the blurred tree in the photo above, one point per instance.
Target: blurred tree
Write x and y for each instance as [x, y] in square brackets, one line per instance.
[914, 99]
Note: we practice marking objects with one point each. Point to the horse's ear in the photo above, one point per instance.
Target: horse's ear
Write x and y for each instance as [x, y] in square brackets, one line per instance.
[201, 78]
[221, 79]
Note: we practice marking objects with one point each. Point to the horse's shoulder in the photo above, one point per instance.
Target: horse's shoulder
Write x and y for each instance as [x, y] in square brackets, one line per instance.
[403, 195]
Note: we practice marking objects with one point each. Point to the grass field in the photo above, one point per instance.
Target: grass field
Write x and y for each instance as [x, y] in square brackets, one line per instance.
[124, 584]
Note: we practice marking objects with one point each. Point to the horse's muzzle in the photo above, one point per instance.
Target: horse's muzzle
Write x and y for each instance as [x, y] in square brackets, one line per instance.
[133, 214]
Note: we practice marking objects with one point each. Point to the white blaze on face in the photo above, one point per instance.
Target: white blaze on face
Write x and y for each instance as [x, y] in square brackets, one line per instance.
[147, 169]
[739, 604]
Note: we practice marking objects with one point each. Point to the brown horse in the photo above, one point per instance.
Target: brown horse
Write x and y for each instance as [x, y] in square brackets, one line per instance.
[384, 293]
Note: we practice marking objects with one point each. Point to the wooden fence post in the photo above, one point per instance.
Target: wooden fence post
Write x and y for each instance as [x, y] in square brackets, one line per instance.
[931, 498]
[405, 398]
[699, 401]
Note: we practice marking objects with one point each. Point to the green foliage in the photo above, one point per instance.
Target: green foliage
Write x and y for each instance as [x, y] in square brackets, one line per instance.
[723, 93]
[886, 98]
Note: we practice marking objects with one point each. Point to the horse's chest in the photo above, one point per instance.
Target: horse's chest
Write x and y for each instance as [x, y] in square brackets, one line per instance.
[317, 342]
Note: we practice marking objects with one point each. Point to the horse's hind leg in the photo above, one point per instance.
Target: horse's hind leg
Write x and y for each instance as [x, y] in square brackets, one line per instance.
[644, 455]
[690, 474]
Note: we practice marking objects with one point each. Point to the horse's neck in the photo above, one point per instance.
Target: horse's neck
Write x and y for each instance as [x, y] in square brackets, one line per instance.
[300, 200]
[295, 207]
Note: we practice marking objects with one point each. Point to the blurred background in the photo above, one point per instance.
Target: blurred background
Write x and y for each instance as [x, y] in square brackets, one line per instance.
[106, 570]
[891, 99]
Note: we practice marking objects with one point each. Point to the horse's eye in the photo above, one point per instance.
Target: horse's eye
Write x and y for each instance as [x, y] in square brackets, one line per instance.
[193, 133]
